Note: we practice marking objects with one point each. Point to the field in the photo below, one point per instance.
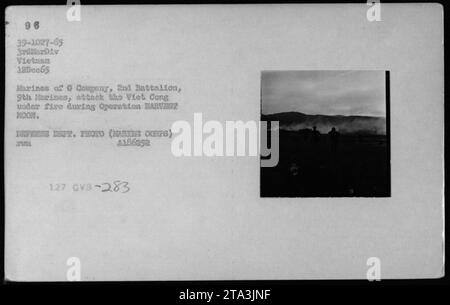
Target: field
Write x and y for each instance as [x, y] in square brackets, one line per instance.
[355, 165]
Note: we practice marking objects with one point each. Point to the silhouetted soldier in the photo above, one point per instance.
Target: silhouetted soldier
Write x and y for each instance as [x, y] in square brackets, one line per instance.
[315, 152]
[315, 135]
[334, 139]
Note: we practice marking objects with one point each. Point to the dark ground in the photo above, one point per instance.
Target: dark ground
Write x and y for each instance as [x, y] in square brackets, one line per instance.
[352, 166]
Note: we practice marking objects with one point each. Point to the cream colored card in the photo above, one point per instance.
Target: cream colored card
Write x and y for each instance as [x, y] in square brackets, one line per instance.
[96, 192]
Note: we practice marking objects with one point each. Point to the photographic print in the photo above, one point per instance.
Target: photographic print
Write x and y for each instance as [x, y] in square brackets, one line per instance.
[333, 133]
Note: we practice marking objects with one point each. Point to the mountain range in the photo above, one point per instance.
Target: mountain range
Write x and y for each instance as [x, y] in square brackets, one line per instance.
[352, 124]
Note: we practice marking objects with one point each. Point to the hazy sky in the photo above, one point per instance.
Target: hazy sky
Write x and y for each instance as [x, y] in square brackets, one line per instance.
[324, 92]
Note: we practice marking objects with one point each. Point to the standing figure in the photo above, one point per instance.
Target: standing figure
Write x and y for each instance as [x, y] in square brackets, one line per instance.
[334, 139]
[315, 135]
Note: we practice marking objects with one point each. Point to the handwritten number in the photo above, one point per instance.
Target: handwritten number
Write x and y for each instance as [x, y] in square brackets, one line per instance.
[117, 186]
[125, 187]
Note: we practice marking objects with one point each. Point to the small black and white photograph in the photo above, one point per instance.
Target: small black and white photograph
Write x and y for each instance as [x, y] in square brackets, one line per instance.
[223, 152]
[333, 133]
